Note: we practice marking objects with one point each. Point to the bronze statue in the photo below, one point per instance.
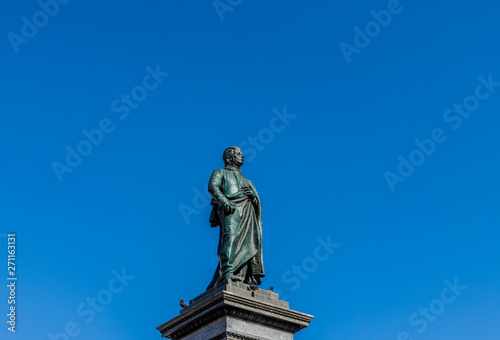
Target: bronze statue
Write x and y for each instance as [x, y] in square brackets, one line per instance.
[238, 213]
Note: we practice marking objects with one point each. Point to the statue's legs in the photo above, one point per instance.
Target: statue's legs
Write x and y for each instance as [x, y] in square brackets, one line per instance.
[226, 251]
[233, 249]
[241, 273]
[246, 271]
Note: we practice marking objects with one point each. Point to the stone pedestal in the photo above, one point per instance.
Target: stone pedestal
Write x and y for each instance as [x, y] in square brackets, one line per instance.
[232, 311]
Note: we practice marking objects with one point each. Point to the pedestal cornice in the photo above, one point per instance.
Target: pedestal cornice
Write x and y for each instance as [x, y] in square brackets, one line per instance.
[235, 301]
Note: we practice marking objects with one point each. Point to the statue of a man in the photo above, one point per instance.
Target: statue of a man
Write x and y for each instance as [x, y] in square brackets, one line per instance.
[237, 210]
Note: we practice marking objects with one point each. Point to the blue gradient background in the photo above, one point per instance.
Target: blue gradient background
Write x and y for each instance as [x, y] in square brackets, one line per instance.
[322, 176]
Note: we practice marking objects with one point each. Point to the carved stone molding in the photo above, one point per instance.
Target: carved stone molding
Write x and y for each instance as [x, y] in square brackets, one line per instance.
[265, 311]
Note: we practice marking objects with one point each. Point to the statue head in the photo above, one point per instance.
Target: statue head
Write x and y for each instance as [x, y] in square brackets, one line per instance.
[233, 156]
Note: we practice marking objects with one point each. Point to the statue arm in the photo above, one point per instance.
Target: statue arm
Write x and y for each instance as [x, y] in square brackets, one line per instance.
[214, 187]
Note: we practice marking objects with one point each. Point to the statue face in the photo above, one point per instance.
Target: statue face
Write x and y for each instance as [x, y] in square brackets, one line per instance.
[238, 158]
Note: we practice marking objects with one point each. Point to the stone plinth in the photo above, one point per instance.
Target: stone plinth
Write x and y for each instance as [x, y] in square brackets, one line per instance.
[232, 311]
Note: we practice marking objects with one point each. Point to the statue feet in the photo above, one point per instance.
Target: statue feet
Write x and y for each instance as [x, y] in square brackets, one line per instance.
[237, 278]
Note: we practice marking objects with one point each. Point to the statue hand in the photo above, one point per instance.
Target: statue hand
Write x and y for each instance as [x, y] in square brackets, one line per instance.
[228, 208]
[251, 195]
[249, 192]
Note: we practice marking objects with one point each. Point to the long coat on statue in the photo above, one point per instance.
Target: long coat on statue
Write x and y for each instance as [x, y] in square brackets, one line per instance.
[240, 240]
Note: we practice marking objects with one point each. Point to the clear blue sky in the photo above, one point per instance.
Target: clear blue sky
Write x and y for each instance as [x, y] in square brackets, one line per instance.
[329, 102]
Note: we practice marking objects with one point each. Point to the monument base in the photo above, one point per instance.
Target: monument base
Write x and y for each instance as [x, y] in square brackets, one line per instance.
[233, 311]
